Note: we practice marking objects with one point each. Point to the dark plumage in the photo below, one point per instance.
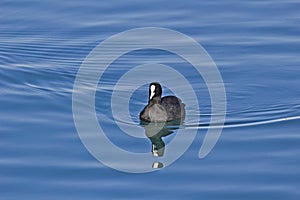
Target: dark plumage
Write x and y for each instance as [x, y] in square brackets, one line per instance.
[163, 109]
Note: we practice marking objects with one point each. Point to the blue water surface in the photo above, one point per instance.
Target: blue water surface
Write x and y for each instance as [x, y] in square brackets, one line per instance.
[256, 46]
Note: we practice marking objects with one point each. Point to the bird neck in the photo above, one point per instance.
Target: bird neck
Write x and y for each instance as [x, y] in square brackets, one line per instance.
[155, 100]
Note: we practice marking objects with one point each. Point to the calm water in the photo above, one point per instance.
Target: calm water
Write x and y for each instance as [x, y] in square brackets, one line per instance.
[256, 47]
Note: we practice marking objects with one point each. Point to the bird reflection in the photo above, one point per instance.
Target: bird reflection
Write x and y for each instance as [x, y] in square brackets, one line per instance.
[155, 131]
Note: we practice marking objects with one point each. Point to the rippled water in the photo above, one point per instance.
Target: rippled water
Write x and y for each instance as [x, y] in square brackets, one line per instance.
[255, 45]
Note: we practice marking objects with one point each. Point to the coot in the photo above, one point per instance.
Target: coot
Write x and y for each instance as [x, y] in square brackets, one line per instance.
[164, 109]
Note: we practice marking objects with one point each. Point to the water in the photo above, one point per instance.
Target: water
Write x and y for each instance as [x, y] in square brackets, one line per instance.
[255, 45]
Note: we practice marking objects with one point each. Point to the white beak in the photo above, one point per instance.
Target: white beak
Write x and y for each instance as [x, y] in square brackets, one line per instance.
[152, 89]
